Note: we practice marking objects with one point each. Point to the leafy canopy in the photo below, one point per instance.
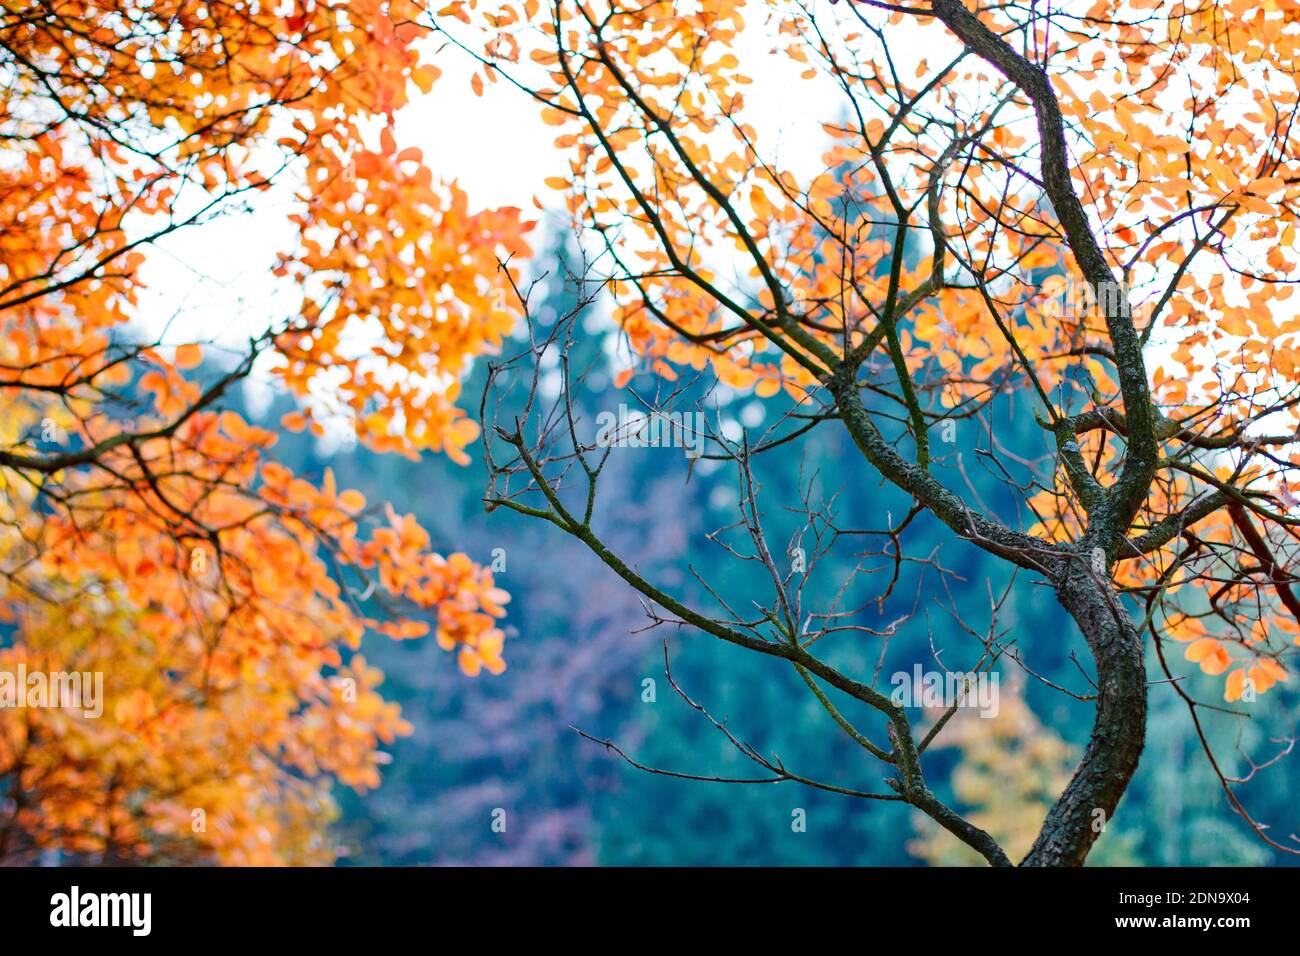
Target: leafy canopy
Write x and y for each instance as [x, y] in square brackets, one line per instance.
[146, 530]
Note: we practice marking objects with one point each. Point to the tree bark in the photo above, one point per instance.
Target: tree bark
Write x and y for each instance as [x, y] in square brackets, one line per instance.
[1119, 727]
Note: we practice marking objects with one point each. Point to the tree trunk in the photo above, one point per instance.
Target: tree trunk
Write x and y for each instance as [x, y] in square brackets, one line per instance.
[1118, 730]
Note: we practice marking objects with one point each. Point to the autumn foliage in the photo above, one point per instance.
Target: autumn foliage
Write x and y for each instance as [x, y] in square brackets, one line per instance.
[146, 532]
[965, 194]
[1089, 205]
[1184, 147]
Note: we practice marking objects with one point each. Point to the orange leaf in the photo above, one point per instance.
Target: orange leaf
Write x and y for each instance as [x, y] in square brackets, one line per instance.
[188, 356]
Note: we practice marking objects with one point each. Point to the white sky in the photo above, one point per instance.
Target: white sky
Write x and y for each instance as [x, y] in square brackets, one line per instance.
[213, 281]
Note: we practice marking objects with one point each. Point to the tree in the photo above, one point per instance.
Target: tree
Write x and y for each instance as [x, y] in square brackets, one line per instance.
[1085, 209]
[1011, 771]
[1142, 154]
[148, 538]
